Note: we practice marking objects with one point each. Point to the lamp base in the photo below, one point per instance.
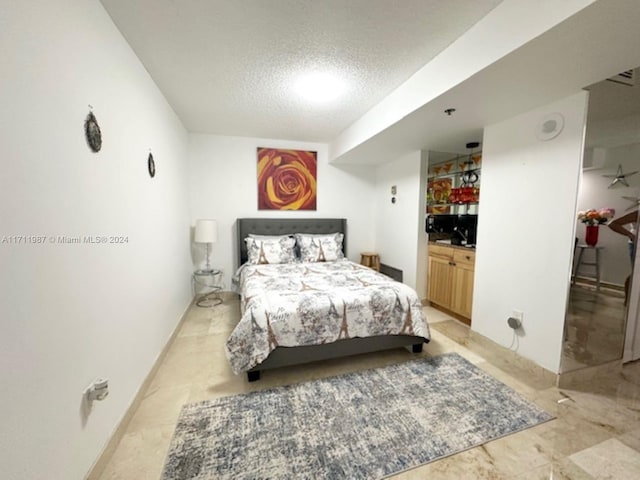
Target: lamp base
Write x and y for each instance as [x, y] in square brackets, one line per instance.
[209, 300]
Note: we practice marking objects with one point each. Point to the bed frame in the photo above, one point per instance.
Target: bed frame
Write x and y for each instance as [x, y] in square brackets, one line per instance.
[286, 356]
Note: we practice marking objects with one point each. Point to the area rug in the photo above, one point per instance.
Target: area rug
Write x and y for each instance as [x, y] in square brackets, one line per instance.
[364, 425]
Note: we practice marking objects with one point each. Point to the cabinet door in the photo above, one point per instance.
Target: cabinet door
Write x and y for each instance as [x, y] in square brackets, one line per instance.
[462, 296]
[440, 281]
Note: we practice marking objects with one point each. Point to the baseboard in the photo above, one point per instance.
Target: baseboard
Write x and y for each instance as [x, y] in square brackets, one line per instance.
[547, 376]
[627, 356]
[592, 283]
[105, 456]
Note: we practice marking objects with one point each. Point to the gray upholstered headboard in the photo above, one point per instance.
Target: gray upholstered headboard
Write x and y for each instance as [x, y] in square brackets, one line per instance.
[286, 226]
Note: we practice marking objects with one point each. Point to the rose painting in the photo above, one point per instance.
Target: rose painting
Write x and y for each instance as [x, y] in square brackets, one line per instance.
[286, 179]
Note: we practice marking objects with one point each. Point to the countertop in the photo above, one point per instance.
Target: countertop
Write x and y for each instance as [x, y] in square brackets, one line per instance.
[460, 247]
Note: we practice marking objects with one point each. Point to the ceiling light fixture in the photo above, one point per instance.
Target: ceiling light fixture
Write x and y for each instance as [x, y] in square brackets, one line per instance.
[319, 87]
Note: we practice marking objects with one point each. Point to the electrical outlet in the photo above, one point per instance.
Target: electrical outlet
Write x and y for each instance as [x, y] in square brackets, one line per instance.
[518, 314]
[98, 390]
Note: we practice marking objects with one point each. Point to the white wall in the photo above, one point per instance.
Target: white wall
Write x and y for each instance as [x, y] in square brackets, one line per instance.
[223, 186]
[526, 228]
[595, 193]
[74, 312]
[400, 227]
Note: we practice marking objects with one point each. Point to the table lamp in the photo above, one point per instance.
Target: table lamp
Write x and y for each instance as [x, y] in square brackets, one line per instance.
[207, 233]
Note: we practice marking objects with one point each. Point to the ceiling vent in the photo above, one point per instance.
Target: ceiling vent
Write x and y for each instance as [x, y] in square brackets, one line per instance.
[626, 78]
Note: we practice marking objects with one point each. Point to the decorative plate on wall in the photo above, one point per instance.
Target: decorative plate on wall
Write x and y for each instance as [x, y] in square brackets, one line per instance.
[92, 133]
[151, 165]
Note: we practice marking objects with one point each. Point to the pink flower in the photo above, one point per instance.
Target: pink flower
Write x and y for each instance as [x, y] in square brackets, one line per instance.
[596, 217]
[607, 213]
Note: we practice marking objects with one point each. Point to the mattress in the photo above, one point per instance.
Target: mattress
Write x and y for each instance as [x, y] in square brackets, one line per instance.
[298, 304]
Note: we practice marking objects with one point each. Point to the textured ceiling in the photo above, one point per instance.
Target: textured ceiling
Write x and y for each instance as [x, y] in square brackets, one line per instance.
[590, 45]
[614, 114]
[228, 67]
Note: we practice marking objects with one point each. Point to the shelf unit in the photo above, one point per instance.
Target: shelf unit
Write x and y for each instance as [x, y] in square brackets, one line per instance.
[450, 174]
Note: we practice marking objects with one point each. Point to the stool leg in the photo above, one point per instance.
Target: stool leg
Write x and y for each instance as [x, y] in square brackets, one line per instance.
[597, 270]
[577, 269]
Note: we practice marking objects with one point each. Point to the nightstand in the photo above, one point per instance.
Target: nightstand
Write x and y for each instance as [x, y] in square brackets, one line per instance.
[207, 284]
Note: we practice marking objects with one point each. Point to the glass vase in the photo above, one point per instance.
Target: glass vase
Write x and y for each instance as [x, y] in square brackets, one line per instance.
[591, 237]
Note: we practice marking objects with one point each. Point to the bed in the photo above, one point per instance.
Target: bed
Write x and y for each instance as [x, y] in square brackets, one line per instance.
[295, 312]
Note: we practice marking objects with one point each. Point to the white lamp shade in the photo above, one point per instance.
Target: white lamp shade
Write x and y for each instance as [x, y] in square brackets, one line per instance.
[206, 231]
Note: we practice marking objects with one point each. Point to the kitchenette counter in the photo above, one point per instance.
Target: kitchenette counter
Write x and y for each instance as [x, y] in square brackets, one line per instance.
[445, 244]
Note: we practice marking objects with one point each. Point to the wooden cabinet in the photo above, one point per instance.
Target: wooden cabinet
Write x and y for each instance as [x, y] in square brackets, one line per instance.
[440, 290]
[450, 278]
[463, 270]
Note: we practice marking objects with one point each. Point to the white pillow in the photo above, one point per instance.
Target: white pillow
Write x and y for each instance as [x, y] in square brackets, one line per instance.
[320, 248]
[263, 250]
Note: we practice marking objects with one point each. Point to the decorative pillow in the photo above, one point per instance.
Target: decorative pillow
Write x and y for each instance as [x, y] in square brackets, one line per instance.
[262, 250]
[320, 248]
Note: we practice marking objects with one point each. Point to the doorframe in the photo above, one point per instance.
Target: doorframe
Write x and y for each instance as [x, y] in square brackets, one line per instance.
[632, 334]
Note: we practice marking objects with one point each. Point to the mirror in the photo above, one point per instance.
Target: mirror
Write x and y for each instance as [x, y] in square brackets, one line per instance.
[595, 322]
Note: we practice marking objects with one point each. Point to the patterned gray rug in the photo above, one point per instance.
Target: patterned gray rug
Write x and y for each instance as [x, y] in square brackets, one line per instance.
[363, 425]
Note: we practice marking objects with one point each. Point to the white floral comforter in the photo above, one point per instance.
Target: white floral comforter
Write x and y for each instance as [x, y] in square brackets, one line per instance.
[312, 303]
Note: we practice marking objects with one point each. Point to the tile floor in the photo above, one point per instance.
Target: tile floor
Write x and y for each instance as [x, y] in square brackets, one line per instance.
[596, 434]
[594, 327]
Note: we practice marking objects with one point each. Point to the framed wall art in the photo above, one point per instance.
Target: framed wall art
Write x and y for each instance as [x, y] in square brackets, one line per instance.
[287, 179]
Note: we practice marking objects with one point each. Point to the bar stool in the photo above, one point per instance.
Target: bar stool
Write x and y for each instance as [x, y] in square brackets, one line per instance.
[371, 260]
[582, 263]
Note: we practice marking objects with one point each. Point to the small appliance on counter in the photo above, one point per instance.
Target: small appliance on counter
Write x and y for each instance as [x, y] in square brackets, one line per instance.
[460, 229]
